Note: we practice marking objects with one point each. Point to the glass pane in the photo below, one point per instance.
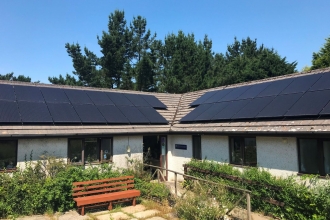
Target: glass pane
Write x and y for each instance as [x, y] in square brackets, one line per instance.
[326, 151]
[74, 150]
[250, 152]
[163, 149]
[8, 154]
[235, 149]
[91, 150]
[308, 156]
[197, 154]
[106, 149]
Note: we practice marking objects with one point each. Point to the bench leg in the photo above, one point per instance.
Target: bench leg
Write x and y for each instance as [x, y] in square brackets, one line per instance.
[134, 202]
[82, 212]
[110, 206]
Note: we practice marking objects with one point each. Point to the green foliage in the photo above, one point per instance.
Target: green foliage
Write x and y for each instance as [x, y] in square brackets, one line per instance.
[308, 199]
[68, 80]
[11, 77]
[321, 59]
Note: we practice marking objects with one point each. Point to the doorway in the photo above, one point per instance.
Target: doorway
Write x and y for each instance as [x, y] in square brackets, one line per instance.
[155, 151]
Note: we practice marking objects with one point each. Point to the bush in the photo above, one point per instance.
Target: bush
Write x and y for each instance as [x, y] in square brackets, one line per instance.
[301, 201]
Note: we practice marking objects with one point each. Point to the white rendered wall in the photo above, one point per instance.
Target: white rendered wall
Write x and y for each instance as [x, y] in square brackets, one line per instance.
[215, 147]
[278, 155]
[120, 154]
[36, 147]
[177, 157]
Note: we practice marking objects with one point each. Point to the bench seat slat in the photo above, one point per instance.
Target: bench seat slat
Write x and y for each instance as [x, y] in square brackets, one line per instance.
[130, 186]
[107, 197]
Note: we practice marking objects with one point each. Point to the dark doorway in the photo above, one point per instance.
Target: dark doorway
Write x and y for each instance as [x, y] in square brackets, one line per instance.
[197, 147]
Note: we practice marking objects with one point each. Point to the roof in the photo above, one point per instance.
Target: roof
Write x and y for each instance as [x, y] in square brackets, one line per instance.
[178, 105]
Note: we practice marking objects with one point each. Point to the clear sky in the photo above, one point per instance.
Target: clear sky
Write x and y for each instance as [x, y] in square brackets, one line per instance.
[33, 33]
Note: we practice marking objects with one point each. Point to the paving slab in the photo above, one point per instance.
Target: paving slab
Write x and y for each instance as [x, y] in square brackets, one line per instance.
[156, 218]
[146, 214]
[72, 215]
[134, 209]
[34, 217]
[113, 216]
[100, 212]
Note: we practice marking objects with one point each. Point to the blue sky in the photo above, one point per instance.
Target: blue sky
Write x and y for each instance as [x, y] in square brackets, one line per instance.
[33, 33]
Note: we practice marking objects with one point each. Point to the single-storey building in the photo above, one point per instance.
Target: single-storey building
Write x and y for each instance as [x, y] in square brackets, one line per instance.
[281, 124]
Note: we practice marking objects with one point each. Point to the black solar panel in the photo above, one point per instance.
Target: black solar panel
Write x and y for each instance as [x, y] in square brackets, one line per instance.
[310, 104]
[154, 102]
[253, 108]
[99, 98]
[326, 110]
[112, 114]
[152, 115]
[136, 100]
[323, 83]
[34, 112]
[133, 115]
[54, 95]
[78, 96]
[301, 84]
[231, 109]
[209, 113]
[218, 95]
[203, 98]
[7, 92]
[275, 87]
[253, 91]
[9, 112]
[119, 99]
[63, 113]
[89, 114]
[195, 113]
[279, 106]
[28, 93]
[234, 94]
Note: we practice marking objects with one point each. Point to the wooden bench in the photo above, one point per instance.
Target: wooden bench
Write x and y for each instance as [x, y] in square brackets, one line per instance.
[104, 192]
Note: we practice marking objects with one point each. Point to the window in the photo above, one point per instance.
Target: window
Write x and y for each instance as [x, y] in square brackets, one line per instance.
[243, 151]
[314, 156]
[90, 150]
[8, 155]
[197, 147]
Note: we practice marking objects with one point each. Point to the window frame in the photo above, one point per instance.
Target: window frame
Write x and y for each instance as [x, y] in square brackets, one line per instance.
[242, 151]
[100, 151]
[320, 155]
[16, 156]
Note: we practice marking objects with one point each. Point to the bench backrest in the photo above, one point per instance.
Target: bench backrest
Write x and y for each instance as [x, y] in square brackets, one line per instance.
[94, 187]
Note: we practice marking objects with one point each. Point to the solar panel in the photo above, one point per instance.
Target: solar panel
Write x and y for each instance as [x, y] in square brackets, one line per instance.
[323, 83]
[218, 95]
[78, 96]
[234, 94]
[253, 91]
[231, 109]
[136, 100]
[301, 84]
[152, 115]
[9, 112]
[326, 110]
[195, 113]
[133, 115]
[34, 112]
[203, 98]
[112, 114]
[28, 93]
[154, 102]
[63, 113]
[253, 107]
[54, 95]
[279, 106]
[275, 87]
[119, 99]
[89, 114]
[99, 98]
[209, 113]
[310, 104]
[7, 92]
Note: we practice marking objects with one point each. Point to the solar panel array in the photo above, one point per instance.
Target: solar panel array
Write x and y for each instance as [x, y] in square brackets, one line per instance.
[43, 105]
[303, 96]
